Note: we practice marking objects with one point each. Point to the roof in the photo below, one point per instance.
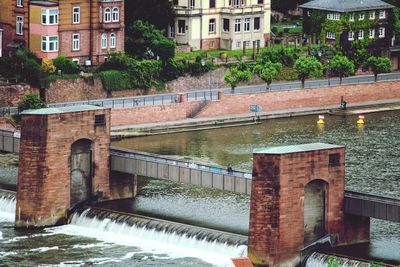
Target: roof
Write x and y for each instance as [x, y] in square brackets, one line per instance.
[49, 111]
[295, 148]
[346, 5]
[44, 3]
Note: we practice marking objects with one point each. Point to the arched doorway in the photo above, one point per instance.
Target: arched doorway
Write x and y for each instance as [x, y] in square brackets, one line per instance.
[315, 195]
[81, 171]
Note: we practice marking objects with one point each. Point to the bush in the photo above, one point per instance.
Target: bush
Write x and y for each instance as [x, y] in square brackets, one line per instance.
[66, 65]
[30, 101]
[48, 66]
[287, 74]
[279, 54]
[115, 80]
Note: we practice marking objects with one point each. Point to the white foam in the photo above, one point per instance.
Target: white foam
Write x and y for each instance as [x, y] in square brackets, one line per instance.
[44, 249]
[151, 241]
[7, 209]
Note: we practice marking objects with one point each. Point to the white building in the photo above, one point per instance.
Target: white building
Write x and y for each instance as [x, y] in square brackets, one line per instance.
[221, 24]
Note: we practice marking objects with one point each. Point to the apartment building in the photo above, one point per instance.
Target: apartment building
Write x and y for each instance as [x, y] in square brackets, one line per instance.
[221, 24]
[85, 31]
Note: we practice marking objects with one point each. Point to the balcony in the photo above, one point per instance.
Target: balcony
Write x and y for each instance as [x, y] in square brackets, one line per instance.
[185, 11]
[247, 10]
[111, 25]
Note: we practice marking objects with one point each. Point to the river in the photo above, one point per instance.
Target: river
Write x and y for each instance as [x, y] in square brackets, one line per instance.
[372, 165]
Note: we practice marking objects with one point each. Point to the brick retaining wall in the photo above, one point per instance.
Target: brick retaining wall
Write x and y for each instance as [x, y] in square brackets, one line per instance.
[11, 94]
[239, 104]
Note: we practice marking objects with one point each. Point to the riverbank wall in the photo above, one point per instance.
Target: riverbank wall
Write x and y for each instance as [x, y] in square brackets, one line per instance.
[239, 104]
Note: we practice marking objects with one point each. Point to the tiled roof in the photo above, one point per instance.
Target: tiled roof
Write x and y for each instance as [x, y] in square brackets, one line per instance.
[346, 5]
[295, 148]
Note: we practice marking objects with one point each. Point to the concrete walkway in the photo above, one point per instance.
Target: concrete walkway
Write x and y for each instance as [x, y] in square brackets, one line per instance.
[249, 118]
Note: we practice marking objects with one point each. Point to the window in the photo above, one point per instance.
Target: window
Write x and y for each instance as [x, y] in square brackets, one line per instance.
[260, 2]
[246, 44]
[20, 3]
[238, 44]
[49, 16]
[19, 27]
[236, 3]
[238, 23]
[246, 24]
[172, 30]
[76, 14]
[113, 40]
[212, 3]
[212, 44]
[361, 16]
[107, 14]
[75, 42]
[351, 35]
[99, 120]
[372, 33]
[361, 34]
[49, 43]
[382, 14]
[115, 14]
[372, 15]
[211, 26]
[225, 27]
[257, 24]
[351, 17]
[334, 160]
[331, 35]
[333, 16]
[181, 26]
[103, 41]
[381, 32]
[191, 4]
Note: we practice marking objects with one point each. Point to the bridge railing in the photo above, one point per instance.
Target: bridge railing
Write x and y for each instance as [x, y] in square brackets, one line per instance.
[9, 141]
[155, 166]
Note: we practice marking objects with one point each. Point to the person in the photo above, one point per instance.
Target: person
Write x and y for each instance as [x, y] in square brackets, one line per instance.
[229, 169]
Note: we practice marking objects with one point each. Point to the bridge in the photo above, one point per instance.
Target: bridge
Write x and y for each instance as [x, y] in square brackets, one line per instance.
[216, 177]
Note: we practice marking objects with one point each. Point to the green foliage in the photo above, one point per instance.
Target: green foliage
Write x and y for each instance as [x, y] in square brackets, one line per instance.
[235, 76]
[379, 65]
[284, 6]
[55, 77]
[269, 71]
[287, 74]
[280, 54]
[144, 41]
[342, 66]
[66, 65]
[30, 101]
[333, 262]
[48, 66]
[115, 80]
[24, 65]
[307, 67]
[142, 73]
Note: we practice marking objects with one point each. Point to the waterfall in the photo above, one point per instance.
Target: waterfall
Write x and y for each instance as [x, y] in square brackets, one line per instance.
[174, 239]
[7, 206]
[322, 260]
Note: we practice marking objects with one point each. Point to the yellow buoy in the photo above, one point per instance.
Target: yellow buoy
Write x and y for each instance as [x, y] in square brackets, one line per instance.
[321, 119]
[360, 119]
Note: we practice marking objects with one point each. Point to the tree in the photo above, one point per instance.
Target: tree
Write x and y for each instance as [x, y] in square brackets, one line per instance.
[342, 66]
[144, 41]
[66, 65]
[159, 13]
[30, 101]
[235, 76]
[307, 67]
[379, 65]
[284, 6]
[268, 71]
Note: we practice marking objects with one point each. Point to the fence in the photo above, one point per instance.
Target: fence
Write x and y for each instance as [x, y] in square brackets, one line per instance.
[9, 141]
[159, 167]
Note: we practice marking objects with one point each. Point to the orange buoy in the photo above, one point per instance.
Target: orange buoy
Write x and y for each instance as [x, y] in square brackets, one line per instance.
[361, 119]
[321, 119]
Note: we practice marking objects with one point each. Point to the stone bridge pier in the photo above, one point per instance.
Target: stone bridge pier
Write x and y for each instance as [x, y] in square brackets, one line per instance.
[297, 198]
[65, 160]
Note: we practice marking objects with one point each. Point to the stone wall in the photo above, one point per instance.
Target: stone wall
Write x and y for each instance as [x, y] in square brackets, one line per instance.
[11, 94]
[269, 101]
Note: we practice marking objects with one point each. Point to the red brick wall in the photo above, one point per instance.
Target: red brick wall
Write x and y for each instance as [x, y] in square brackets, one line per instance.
[10, 95]
[276, 232]
[205, 43]
[43, 194]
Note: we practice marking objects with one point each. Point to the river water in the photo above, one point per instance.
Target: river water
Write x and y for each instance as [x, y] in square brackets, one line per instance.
[372, 165]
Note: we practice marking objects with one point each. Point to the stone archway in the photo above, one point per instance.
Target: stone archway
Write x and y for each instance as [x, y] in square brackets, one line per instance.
[81, 171]
[315, 198]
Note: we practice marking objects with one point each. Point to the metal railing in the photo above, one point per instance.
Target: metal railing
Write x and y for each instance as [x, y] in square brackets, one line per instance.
[175, 162]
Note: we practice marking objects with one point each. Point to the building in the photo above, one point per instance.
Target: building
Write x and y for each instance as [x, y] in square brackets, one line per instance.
[350, 24]
[221, 24]
[85, 31]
